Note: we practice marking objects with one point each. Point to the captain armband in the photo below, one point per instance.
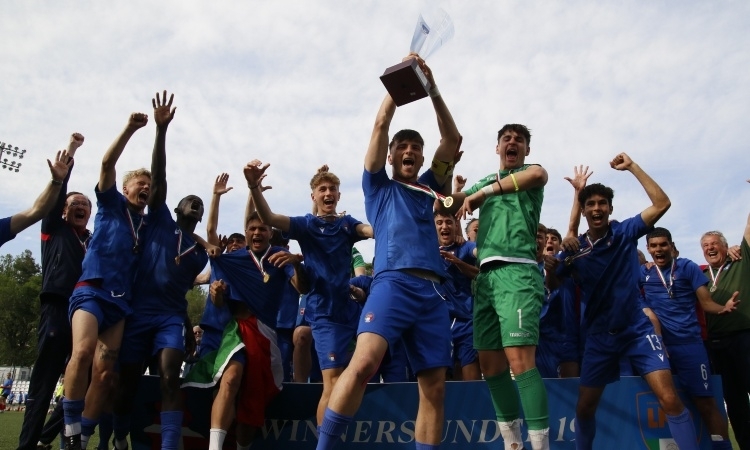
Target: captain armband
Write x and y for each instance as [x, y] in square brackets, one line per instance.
[442, 168]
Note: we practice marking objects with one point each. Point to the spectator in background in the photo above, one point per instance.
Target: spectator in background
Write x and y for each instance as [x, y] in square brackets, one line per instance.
[6, 391]
[64, 242]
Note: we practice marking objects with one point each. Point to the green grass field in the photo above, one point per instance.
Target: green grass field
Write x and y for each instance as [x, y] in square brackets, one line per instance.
[10, 424]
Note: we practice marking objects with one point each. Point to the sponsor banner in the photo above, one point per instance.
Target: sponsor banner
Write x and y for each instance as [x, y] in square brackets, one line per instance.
[628, 417]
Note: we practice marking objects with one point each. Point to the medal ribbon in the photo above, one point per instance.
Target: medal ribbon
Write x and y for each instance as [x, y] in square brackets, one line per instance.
[133, 230]
[180, 254]
[715, 278]
[671, 277]
[259, 262]
[425, 190]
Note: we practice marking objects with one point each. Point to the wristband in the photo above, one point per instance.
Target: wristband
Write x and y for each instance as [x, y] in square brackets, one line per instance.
[442, 168]
[253, 187]
[515, 183]
[488, 191]
[434, 92]
[56, 182]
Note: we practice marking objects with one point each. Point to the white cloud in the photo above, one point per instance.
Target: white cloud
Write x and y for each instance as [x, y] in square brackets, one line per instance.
[296, 84]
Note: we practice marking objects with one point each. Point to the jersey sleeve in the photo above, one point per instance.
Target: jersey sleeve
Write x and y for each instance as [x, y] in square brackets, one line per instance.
[109, 198]
[371, 182]
[480, 184]
[5, 234]
[634, 227]
[695, 275]
[297, 227]
[357, 259]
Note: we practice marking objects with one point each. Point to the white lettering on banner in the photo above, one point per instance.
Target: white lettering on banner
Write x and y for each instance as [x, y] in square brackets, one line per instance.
[483, 433]
[361, 431]
[561, 430]
[383, 432]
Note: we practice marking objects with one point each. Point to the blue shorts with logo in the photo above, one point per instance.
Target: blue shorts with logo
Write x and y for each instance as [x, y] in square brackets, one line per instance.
[332, 342]
[401, 305]
[462, 331]
[638, 342]
[691, 367]
[146, 334]
[108, 310]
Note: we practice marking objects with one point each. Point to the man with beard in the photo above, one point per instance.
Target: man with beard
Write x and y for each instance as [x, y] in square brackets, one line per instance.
[100, 300]
[64, 240]
[406, 298]
[671, 288]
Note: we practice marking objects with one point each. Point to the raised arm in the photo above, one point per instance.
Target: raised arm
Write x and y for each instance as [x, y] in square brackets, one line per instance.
[659, 201]
[449, 136]
[254, 172]
[108, 174]
[54, 217]
[163, 115]
[377, 151]
[212, 223]
[47, 199]
[580, 177]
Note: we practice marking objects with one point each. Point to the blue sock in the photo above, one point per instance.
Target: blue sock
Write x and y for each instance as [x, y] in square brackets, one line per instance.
[333, 426]
[121, 426]
[683, 430]
[421, 446]
[72, 410]
[585, 432]
[171, 429]
[88, 426]
[105, 431]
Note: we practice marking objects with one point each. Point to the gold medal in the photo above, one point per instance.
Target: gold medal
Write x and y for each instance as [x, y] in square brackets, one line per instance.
[448, 202]
[713, 288]
[266, 277]
[177, 260]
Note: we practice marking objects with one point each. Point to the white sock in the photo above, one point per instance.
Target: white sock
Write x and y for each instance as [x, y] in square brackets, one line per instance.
[716, 438]
[216, 438]
[539, 439]
[72, 429]
[84, 441]
[511, 432]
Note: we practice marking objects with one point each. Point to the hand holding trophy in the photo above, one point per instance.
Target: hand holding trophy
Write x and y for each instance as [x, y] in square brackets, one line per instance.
[407, 81]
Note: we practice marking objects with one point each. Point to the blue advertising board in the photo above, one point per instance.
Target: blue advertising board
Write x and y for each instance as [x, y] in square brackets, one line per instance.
[628, 417]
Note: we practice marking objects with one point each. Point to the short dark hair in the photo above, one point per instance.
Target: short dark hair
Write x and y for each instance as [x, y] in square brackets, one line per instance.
[659, 232]
[555, 232]
[72, 193]
[595, 189]
[440, 212]
[517, 128]
[253, 216]
[236, 236]
[406, 135]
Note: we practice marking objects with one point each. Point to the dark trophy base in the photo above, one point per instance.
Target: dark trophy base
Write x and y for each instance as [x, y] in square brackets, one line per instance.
[405, 82]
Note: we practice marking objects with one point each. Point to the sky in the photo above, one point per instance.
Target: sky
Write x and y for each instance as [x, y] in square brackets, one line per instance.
[295, 84]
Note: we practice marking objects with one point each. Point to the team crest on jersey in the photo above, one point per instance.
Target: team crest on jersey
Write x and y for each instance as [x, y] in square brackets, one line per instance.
[331, 357]
[369, 317]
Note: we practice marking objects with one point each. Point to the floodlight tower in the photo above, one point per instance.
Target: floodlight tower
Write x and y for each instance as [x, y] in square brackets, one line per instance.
[8, 154]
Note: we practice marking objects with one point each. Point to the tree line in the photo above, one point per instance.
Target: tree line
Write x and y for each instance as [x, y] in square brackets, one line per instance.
[20, 285]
